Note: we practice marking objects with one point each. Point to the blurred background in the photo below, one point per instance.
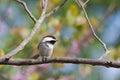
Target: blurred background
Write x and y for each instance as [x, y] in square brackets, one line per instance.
[70, 27]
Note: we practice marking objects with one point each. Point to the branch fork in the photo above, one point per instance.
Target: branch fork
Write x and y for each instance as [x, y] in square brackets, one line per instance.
[7, 60]
[82, 4]
[35, 28]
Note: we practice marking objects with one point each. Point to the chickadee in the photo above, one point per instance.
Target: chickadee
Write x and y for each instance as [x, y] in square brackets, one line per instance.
[45, 47]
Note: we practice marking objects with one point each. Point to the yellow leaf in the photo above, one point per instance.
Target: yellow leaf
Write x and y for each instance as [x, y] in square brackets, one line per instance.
[1, 52]
[114, 53]
[74, 10]
[1, 66]
[70, 17]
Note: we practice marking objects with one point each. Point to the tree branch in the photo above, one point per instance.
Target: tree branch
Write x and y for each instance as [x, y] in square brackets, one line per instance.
[81, 4]
[35, 28]
[7, 60]
[23, 62]
[56, 8]
[25, 41]
[44, 7]
[107, 13]
[27, 10]
[28, 38]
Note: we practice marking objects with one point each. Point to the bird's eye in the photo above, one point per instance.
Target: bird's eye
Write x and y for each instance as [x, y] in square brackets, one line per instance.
[51, 42]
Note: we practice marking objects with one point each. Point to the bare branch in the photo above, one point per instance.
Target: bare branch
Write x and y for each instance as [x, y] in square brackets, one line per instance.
[43, 3]
[93, 62]
[56, 8]
[81, 4]
[31, 34]
[86, 2]
[104, 55]
[107, 13]
[28, 38]
[27, 10]
[44, 7]
[25, 41]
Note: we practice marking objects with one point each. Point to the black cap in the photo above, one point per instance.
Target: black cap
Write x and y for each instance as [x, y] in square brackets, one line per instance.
[49, 36]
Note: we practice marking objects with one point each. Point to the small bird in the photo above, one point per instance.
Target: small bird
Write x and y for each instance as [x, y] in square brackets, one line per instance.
[45, 47]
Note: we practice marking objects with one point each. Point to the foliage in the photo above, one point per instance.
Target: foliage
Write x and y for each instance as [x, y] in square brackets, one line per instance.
[71, 29]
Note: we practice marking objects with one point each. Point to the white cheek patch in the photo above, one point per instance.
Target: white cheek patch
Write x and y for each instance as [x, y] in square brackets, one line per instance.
[48, 39]
[50, 46]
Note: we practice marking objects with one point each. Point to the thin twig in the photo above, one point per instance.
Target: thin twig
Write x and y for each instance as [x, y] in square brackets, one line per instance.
[107, 13]
[27, 10]
[44, 7]
[81, 4]
[104, 55]
[56, 8]
[86, 2]
[94, 62]
[43, 2]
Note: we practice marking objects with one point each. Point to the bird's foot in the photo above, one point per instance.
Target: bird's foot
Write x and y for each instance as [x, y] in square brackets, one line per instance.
[43, 59]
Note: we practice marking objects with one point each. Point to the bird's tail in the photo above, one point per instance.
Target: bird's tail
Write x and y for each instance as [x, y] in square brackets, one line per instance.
[35, 56]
